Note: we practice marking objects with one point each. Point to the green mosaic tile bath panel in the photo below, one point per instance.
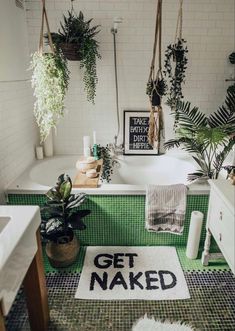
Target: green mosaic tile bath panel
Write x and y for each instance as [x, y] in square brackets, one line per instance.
[119, 220]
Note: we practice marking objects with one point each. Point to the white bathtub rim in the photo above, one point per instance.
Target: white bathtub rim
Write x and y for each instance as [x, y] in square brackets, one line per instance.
[24, 185]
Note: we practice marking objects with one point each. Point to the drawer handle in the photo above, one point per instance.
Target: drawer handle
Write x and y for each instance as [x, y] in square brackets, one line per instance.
[220, 237]
[220, 215]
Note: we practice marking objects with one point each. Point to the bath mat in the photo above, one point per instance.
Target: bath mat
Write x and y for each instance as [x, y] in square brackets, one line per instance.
[132, 273]
[150, 324]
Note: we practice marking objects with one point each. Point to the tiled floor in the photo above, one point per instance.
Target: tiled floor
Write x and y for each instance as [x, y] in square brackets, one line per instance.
[210, 308]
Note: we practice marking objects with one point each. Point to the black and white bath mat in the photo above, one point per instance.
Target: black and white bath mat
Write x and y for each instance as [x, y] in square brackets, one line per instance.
[132, 273]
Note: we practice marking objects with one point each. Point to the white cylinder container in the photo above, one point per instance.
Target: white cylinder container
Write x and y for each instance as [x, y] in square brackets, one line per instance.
[48, 145]
[194, 234]
[39, 152]
[87, 151]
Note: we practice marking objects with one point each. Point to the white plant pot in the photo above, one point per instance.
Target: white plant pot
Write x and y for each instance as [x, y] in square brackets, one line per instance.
[48, 145]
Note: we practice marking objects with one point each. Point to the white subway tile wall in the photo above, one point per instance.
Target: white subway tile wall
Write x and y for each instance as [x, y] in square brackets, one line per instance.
[17, 131]
[208, 26]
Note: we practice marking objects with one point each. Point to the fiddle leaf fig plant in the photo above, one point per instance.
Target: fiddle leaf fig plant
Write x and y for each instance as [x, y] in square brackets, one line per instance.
[209, 139]
[61, 214]
[50, 82]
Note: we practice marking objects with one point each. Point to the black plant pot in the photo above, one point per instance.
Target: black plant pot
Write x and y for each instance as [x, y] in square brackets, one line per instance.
[72, 52]
[178, 55]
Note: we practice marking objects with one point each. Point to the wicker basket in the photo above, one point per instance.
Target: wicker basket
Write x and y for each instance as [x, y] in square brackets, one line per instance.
[72, 52]
[62, 255]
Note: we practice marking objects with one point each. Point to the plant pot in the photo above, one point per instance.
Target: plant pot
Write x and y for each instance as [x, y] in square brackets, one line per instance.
[62, 255]
[72, 52]
[178, 55]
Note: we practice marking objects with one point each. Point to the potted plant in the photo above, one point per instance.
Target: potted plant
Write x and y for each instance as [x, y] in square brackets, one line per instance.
[76, 40]
[50, 82]
[175, 67]
[208, 138]
[60, 217]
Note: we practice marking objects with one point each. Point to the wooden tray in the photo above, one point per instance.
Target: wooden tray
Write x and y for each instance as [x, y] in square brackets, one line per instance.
[82, 181]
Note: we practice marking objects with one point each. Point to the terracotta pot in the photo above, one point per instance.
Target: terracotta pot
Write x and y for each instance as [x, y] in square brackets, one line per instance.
[72, 52]
[62, 255]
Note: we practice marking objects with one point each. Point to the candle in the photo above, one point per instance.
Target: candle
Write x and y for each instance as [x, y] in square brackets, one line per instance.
[94, 137]
[86, 141]
[39, 152]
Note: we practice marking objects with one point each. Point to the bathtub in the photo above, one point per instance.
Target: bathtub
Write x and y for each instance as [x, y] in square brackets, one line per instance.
[130, 177]
[118, 208]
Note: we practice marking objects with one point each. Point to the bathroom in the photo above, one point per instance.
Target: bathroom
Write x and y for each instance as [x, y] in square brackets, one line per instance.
[117, 209]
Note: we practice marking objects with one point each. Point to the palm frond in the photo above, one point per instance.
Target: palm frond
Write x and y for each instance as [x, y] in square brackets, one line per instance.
[197, 174]
[221, 156]
[225, 115]
[190, 118]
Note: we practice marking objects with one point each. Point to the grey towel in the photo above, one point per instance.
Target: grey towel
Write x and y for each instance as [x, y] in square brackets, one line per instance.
[165, 208]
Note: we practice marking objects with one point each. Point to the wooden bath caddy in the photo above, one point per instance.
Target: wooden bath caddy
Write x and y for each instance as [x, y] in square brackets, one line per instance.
[82, 181]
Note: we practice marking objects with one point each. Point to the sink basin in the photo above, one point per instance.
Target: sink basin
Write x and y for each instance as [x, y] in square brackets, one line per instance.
[18, 245]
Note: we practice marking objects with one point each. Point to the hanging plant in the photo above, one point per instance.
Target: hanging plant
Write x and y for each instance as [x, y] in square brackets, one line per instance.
[175, 68]
[50, 82]
[156, 86]
[76, 40]
[155, 90]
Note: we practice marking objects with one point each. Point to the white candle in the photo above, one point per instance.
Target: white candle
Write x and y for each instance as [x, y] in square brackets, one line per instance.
[94, 137]
[39, 152]
[86, 141]
[87, 151]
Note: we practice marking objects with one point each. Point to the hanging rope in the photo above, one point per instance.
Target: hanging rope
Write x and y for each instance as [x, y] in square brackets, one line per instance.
[179, 25]
[41, 39]
[156, 86]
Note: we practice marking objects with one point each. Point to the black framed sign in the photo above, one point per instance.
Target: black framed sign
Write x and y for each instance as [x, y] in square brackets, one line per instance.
[136, 125]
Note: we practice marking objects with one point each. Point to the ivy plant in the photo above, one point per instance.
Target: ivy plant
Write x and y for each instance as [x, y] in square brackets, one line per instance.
[50, 82]
[175, 68]
[104, 153]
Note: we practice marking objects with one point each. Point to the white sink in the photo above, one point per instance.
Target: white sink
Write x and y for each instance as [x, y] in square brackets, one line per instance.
[18, 245]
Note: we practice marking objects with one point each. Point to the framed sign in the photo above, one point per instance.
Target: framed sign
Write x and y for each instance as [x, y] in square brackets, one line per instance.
[136, 125]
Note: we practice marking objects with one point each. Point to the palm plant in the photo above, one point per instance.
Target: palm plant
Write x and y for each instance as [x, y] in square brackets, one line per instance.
[208, 138]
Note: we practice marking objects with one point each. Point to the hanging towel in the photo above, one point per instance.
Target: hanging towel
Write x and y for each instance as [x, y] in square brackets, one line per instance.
[165, 208]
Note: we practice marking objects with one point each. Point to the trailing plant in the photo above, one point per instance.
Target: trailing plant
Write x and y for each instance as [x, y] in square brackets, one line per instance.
[175, 68]
[50, 82]
[60, 215]
[231, 58]
[208, 138]
[76, 31]
[108, 162]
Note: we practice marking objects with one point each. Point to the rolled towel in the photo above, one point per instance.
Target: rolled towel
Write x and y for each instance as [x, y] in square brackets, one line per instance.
[92, 173]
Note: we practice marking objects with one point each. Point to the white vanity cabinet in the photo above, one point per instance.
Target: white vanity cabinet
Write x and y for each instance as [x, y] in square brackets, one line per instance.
[221, 222]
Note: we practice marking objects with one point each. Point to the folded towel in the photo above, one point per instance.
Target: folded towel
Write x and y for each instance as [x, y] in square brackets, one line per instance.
[165, 208]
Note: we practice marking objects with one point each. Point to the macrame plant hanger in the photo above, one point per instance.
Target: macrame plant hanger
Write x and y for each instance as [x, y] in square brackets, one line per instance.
[179, 25]
[156, 118]
[41, 43]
